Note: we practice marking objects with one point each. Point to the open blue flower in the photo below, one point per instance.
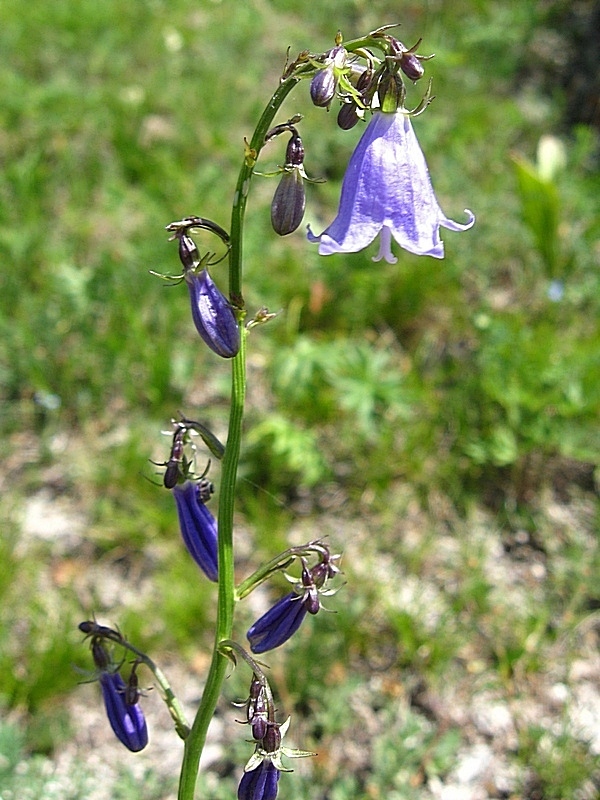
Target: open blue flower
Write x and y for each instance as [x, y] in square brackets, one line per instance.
[198, 527]
[387, 190]
[127, 720]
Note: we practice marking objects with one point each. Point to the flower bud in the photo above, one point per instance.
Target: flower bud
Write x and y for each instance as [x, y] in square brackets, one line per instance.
[188, 252]
[294, 152]
[322, 87]
[212, 314]
[324, 83]
[348, 116]
[410, 63]
[174, 471]
[259, 720]
[198, 526]
[272, 740]
[289, 200]
[411, 66]
[126, 719]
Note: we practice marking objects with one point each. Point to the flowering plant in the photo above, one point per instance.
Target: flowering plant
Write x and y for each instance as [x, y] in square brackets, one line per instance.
[387, 192]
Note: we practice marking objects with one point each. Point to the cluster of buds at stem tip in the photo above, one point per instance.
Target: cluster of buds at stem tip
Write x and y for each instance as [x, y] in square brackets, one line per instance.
[284, 618]
[212, 314]
[121, 699]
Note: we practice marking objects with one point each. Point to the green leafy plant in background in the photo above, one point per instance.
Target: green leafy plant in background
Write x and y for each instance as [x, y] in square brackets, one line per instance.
[541, 201]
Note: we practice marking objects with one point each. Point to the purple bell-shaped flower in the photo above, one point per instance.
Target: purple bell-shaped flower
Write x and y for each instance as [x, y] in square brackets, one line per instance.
[387, 190]
[283, 619]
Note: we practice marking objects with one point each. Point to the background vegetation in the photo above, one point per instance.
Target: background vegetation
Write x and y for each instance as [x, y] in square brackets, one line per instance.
[437, 420]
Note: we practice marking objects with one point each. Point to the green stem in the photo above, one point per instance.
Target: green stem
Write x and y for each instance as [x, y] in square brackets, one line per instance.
[194, 742]
[243, 185]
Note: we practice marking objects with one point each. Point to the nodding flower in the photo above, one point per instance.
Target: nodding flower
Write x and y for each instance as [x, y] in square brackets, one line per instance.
[387, 190]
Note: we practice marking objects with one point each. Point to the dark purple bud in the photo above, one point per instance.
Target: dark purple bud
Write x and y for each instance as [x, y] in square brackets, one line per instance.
[260, 783]
[272, 740]
[259, 726]
[289, 202]
[188, 252]
[312, 601]
[258, 713]
[322, 87]
[173, 469]
[410, 63]
[324, 83]
[212, 314]
[127, 720]
[363, 83]
[198, 527]
[278, 624]
[311, 595]
[132, 687]
[411, 66]
[294, 152]
[348, 116]
[92, 628]
[100, 655]
[256, 688]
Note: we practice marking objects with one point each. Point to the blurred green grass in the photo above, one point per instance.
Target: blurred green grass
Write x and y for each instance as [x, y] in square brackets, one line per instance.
[462, 379]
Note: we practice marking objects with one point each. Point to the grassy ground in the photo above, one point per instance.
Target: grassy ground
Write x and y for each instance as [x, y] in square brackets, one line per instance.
[437, 420]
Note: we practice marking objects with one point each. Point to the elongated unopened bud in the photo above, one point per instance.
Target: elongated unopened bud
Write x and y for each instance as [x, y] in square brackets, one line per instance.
[213, 315]
[289, 200]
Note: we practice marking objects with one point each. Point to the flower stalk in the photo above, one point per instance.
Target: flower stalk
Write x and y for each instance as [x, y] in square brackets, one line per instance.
[194, 742]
